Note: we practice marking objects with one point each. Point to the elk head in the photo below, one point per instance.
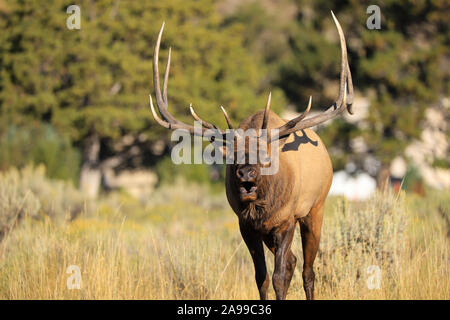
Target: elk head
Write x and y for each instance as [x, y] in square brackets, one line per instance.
[250, 152]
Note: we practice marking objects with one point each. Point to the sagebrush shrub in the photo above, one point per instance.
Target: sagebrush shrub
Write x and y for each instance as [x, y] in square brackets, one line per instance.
[361, 235]
[28, 192]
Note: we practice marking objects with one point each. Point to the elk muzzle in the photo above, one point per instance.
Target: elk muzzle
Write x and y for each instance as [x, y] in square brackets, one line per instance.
[247, 183]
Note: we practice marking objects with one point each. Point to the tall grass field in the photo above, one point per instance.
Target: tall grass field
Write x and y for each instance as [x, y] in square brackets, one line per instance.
[183, 242]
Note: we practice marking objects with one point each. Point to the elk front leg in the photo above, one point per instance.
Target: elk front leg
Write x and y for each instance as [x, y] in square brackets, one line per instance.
[254, 244]
[310, 227]
[291, 260]
[284, 260]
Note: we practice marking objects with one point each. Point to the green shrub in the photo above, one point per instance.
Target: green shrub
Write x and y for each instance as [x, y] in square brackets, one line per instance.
[16, 201]
[39, 144]
[441, 163]
[28, 192]
[371, 233]
[168, 172]
[412, 178]
[187, 192]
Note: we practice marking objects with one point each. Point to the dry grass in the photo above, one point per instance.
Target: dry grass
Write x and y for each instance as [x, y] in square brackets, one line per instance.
[192, 249]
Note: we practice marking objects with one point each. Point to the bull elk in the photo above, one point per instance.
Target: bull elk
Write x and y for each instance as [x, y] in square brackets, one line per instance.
[269, 206]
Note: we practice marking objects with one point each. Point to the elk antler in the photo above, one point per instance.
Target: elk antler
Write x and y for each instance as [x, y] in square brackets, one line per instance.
[344, 100]
[204, 123]
[168, 121]
[227, 118]
[266, 112]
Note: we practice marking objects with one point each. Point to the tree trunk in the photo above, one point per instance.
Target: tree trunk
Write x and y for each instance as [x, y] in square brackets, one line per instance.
[383, 177]
[90, 176]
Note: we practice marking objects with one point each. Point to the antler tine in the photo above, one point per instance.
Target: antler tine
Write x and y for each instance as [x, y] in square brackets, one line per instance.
[343, 101]
[196, 117]
[160, 102]
[307, 108]
[292, 123]
[305, 113]
[350, 90]
[166, 76]
[227, 118]
[179, 125]
[266, 112]
[163, 123]
[156, 84]
[311, 122]
[345, 69]
[343, 60]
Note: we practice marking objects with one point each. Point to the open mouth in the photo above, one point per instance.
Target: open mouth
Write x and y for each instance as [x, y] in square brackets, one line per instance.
[248, 190]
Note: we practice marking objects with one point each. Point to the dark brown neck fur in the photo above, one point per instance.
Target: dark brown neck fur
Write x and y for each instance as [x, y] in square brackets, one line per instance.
[272, 192]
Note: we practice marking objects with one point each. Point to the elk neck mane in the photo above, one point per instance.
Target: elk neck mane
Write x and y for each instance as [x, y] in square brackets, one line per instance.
[271, 188]
[273, 193]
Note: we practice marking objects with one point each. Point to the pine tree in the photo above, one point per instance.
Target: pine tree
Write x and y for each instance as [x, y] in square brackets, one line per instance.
[92, 84]
[402, 68]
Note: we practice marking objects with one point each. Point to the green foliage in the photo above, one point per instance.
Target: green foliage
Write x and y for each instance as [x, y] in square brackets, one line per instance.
[337, 136]
[441, 163]
[59, 199]
[180, 200]
[28, 192]
[97, 79]
[373, 233]
[400, 68]
[168, 172]
[16, 201]
[39, 144]
[411, 179]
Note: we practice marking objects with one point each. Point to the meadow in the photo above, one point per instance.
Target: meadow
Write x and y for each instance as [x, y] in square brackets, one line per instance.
[183, 242]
